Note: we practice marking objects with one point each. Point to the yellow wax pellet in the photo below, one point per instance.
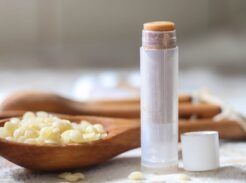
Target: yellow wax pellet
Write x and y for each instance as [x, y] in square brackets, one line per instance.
[4, 133]
[76, 136]
[89, 129]
[62, 125]
[90, 136]
[19, 132]
[15, 120]
[99, 128]
[28, 115]
[44, 128]
[10, 127]
[136, 176]
[42, 114]
[49, 133]
[72, 136]
[72, 177]
[184, 177]
[31, 133]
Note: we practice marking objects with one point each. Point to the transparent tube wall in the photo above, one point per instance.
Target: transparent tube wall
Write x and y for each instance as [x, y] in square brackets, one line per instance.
[159, 107]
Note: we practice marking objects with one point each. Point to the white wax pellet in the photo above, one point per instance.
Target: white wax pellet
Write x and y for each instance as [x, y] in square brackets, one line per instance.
[184, 177]
[19, 132]
[136, 176]
[10, 127]
[42, 114]
[99, 128]
[14, 120]
[89, 136]
[76, 136]
[44, 128]
[31, 133]
[4, 133]
[28, 115]
[72, 177]
[89, 129]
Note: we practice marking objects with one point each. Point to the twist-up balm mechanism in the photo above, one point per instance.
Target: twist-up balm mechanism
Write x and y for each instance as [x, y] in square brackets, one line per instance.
[159, 102]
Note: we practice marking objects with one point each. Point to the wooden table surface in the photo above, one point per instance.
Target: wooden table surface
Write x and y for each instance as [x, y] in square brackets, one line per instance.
[232, 156]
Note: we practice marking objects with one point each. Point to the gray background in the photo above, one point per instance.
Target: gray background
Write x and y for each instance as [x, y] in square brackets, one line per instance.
[64, 34]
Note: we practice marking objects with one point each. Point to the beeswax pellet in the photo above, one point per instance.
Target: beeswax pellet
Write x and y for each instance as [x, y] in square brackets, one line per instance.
[72, 177]
[45, 128]
[184, 177]
[136, 176]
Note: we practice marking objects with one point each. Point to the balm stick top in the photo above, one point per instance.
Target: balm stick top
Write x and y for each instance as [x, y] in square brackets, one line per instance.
[159, 35]
[159, 26]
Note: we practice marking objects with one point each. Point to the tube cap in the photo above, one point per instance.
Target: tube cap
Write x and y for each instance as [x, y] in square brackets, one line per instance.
[200, 150]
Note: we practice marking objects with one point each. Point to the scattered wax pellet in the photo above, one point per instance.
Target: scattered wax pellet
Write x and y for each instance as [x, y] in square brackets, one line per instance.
[76, 136]
[45, 128]
[31, 133]
[19, 132]
[42, 114]
[15, 120]
[99, 128]
[10, 127]
[29, 115]
[72, 136]
[184, 177]
[72, 177]
[89, 129]
[136, 176]
[84, 123]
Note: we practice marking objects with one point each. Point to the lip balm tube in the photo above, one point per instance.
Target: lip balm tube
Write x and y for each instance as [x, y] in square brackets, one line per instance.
[159, 99]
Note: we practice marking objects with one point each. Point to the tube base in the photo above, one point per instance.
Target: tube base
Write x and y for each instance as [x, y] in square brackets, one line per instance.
[159, 168]
[159, 145]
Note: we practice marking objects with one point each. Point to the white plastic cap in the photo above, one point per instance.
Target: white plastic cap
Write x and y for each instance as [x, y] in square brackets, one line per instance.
[200, 150]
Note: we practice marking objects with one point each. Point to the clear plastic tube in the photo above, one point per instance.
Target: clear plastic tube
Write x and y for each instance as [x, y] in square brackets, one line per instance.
[159, 102]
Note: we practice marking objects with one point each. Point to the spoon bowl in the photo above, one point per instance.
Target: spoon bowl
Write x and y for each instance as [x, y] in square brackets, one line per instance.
[123, 135]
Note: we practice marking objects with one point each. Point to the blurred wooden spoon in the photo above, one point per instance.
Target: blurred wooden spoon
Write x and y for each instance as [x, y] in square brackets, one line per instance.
[36, 101]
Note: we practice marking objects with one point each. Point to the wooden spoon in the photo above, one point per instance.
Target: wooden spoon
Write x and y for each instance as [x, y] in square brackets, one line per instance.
[123, 135]
[36, 101]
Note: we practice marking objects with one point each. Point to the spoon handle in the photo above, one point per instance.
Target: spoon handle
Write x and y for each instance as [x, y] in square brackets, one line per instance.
[36, 101]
